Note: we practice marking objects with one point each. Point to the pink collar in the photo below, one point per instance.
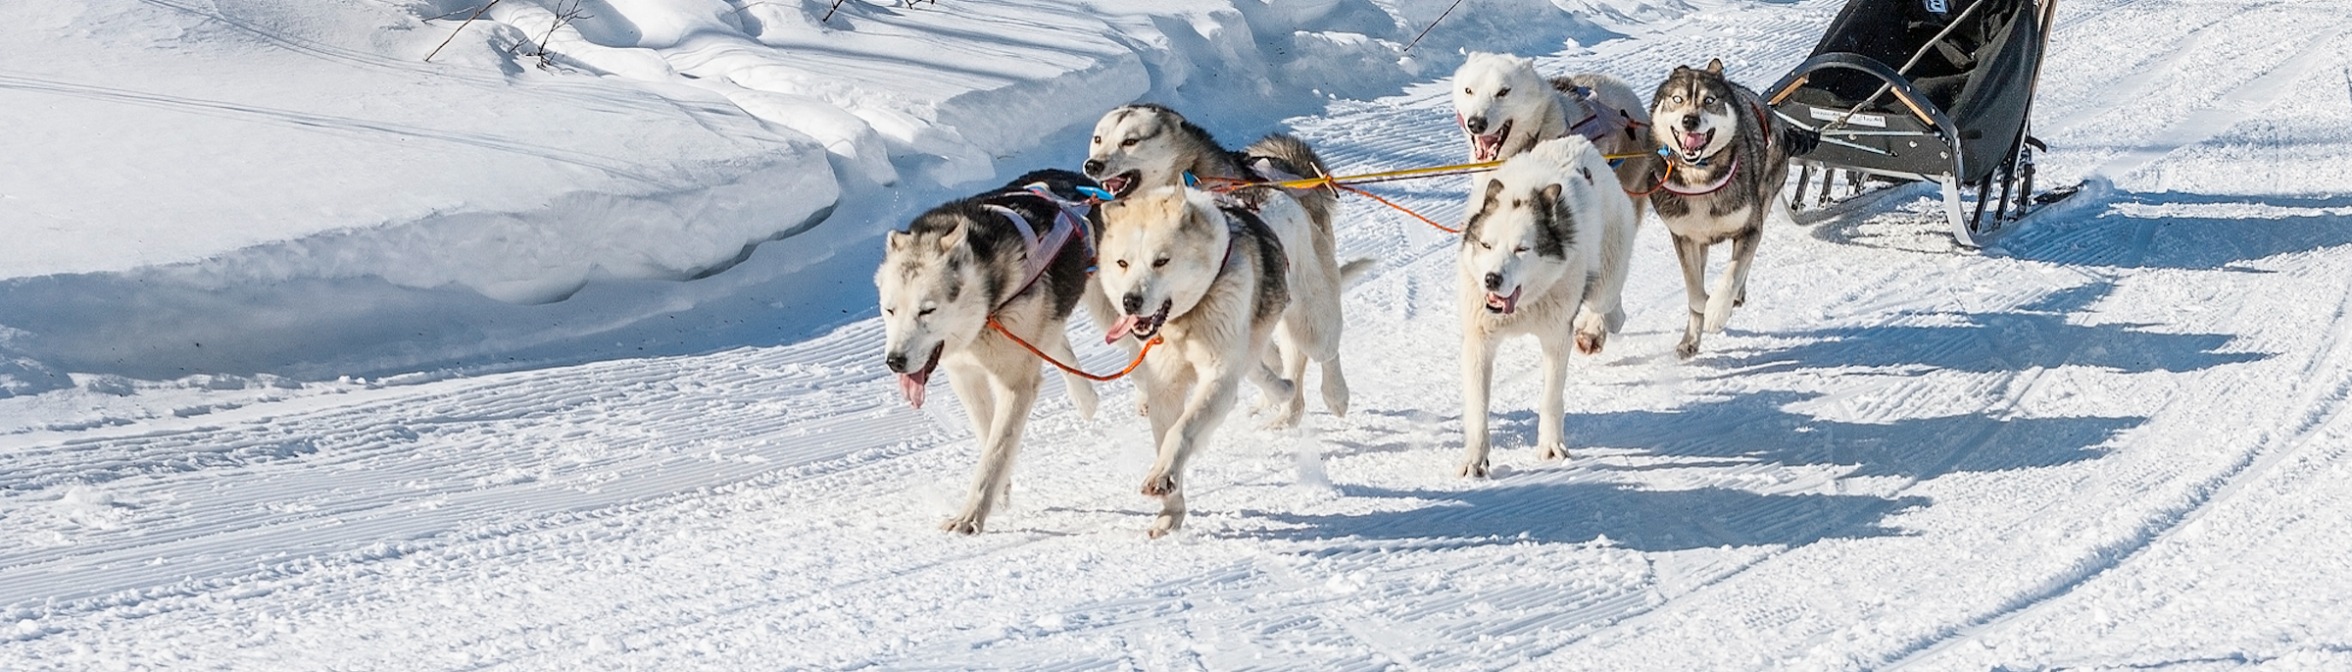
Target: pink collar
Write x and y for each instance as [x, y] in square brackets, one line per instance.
[1711, 187]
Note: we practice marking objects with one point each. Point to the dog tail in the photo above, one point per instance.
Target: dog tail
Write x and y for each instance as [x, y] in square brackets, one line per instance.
[1289, 154]
[1349, 271]
[1799, 140]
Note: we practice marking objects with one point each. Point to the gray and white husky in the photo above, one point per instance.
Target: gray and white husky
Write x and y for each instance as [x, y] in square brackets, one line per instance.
[1505, 108]
[1729, 159]
[1143, 146]
[1209, 279]
[1549, 239]
[1017, 254]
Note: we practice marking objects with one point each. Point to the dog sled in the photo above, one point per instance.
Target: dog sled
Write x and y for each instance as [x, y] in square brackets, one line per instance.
[1937, 91]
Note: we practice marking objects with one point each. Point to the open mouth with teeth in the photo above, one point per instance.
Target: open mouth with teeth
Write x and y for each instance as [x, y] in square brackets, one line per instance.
[1695, 143]
[1121, 183]
[1487, 147]
[1143, 328]
[910, 384]
[1503, 305]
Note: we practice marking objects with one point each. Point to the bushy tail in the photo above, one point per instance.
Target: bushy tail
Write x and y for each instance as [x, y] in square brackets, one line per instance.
[1289, 154]
[1799, 140]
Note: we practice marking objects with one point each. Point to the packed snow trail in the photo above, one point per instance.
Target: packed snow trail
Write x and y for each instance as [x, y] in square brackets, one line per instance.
[2114, 439]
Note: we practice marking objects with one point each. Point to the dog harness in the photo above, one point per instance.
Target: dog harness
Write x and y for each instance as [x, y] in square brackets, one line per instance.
[1069, 223]
[1600, 120]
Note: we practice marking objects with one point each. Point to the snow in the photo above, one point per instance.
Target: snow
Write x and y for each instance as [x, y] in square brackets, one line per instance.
[316, 355]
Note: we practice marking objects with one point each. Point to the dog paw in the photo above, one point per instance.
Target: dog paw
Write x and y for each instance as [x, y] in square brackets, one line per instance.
[1159, 484]
[1688, 348]
[968, 524]
[1473, 469]
[1555, 452]
[1590, 343]
[1165, 524]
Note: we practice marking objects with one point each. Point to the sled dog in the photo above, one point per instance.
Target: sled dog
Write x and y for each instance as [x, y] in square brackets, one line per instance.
[1550, 237]
[1210, 280]
[1729, 159]
[1019, 255]
[1505, 109]
[1146, 146]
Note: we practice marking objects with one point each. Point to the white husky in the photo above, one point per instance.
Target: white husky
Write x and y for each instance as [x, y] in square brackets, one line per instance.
[1505, 108]
[1210, 281]
[1550, 236]
[1148, 146]
[963, 263]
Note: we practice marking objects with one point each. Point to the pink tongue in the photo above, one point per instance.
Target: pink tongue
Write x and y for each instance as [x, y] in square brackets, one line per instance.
[1489, 146]
[1693, 142]
[1124, 326]
[1507, 304]
[910, 385]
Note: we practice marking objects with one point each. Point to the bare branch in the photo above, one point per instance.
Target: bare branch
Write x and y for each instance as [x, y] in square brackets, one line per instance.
[460, 28]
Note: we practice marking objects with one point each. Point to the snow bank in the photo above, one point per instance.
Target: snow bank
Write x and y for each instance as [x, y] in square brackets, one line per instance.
[288, 187]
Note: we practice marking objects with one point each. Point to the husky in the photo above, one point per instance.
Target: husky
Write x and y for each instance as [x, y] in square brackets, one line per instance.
[1505, 108]
[1017, 255]
[1548, 241]
[1145, 146]
[1729, 159]
[1209, 279]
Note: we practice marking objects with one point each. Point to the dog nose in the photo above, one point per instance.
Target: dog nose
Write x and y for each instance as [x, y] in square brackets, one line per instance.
[1690, 123]
[1475, 124]
[1094, 167]
[1494, 281]
[896, 361]
[1132, 302]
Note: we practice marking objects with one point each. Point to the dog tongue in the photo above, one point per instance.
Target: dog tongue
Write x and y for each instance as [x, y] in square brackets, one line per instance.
[1487, 146]
[910, 385]
[1124, 326]
[1693, 142]
[1506, 304]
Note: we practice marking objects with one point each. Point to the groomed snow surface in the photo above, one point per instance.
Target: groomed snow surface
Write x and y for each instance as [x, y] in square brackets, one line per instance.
[316, 355]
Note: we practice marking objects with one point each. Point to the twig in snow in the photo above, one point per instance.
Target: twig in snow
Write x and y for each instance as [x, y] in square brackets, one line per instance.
[460, 28]
[1416, 38]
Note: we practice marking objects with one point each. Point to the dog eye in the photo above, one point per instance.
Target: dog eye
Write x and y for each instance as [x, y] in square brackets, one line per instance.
[1486, 245]
[1710, 102]
[1097, 139]
[1122, 264]
[890, 311]
[1678, 98]
[926, 311]
[1130, 142]
[1162, 261]
[1469, 92]
[1521, 249]
[1505, 91]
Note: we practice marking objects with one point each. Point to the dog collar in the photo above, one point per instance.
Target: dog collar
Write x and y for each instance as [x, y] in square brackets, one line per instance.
[1711, 187]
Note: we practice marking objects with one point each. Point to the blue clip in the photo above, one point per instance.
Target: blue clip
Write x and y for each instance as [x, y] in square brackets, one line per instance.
[1191, 181]
[1097, 193]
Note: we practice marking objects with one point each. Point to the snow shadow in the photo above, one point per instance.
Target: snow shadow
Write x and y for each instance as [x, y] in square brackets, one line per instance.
[1758, 428]
[2186, 231]
[1629, 517]
[2036, 335]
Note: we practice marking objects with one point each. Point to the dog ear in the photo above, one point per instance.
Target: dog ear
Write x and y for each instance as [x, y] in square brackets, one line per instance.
[954, 237]
[1548, 198]
[898, 240]
[1715, 65]
[1494, 191]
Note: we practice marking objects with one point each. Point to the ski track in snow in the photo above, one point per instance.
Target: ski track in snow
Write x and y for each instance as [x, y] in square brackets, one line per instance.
[1899, 455]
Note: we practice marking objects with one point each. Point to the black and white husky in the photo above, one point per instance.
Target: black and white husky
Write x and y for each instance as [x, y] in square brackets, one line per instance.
[1505, 108]
[1550, 238]
[1139, 147]
[1210, 279]
[1728, 161]
[1017, 255]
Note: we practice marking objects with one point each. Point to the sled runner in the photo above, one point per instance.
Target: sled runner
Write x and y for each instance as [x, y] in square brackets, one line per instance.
[1936, 91]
